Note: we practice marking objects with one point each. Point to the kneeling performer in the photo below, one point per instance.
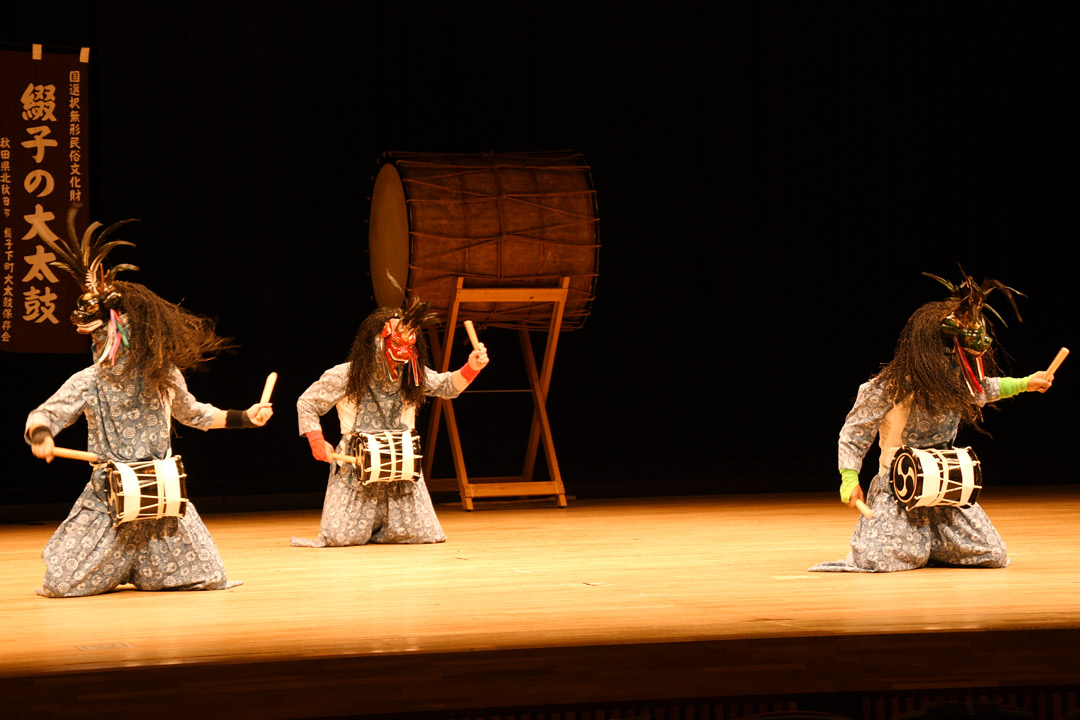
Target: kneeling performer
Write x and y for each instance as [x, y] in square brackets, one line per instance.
[375, 492]
[142, 344]
[940, 377]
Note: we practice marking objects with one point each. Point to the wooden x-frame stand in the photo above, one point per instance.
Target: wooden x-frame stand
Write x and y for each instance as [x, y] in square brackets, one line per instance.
[539, 381]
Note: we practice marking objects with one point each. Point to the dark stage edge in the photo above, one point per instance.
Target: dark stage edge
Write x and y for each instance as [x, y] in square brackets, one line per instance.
[828, 672]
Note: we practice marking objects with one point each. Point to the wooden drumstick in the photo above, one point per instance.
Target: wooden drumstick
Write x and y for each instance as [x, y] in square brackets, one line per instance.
[472, 335]
[1058, 359]
[864, 509]
[75, 454]
[344, 458]
[269, 387]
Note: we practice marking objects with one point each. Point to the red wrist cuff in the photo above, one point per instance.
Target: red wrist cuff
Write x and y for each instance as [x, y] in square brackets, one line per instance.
[468, 373]
[318, 444]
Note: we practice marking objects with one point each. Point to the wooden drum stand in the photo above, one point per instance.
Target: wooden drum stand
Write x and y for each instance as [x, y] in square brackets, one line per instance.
[539, 382]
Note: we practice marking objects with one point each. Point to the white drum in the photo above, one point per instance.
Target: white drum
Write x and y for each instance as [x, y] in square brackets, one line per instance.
[387, 456]
[925, 478]
[147, 490]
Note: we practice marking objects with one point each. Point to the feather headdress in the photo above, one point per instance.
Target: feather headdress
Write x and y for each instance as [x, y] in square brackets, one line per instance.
[397, 339]
[101, 300]
[415, 314]
[970, 297]
[965, 324]
[84, 257]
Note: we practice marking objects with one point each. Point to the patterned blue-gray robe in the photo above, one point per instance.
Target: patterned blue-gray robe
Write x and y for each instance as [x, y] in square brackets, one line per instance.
[87, 555]
[897, 538]
[380, 512]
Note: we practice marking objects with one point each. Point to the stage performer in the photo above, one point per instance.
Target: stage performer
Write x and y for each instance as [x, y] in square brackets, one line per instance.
[141, 346]
[378, 391]
[939, 378]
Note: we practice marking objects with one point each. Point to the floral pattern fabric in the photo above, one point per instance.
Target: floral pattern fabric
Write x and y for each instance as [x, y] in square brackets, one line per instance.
[87, 555]
[897, 538]
[356, 514]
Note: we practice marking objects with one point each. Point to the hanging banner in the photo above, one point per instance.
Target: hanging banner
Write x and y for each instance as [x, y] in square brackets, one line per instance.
[43, 170]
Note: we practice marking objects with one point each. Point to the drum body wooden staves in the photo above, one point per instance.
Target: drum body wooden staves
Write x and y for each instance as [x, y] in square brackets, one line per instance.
[390, 456]
[496, 220]
[146, 490]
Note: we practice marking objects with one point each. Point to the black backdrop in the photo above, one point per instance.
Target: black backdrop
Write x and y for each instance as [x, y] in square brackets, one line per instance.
[772, 179]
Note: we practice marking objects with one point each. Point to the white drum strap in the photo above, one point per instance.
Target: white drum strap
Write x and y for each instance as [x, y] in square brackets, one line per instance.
[389, 467]
[386, 463]
[407, 457]
[934, 476]
[374, 448]
[131, 492]
[168, 488]
[967, 475]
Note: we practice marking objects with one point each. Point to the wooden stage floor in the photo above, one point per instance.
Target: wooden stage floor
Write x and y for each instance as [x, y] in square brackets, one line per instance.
[533, 606]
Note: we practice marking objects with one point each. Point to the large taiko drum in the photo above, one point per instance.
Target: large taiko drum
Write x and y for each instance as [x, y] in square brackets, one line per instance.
[496, 220]
[930, 477]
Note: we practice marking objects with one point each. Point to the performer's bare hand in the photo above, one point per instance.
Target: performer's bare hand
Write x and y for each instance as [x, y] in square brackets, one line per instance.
[44, 449]
[1040, 382]
[260, 413]
[478, 359]
[856, 494]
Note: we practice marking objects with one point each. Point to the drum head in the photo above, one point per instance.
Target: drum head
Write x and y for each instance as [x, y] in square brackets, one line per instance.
[905, 476]
[388, 237]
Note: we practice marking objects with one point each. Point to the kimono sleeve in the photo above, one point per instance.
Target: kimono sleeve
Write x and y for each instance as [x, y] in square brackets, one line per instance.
[320, 396]
[991, 391]
[861, 426]
[439, 384]
[64, 406]
[186, 409]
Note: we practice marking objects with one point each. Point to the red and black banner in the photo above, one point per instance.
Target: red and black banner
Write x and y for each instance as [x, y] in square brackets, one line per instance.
[44, 124]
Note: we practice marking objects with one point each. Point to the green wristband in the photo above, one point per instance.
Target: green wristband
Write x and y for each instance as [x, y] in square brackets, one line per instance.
[849, 480]
[1014, 386]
